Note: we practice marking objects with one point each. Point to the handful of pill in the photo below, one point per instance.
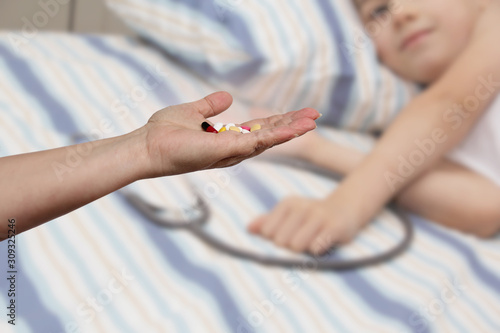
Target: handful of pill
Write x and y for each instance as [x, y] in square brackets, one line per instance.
[220, 127]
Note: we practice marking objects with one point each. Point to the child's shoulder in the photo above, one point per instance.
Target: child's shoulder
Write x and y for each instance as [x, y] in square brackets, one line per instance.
[488, 21]
[484, 49]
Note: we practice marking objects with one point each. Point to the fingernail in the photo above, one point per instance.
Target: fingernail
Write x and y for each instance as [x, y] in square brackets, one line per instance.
[320, 115]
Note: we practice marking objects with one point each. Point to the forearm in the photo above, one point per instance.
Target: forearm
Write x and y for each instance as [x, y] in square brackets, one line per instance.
[38, 187]
[332, 156]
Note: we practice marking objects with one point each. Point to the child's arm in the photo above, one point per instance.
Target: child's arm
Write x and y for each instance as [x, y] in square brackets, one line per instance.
[448, 194]
[40, 186]
[377, 178]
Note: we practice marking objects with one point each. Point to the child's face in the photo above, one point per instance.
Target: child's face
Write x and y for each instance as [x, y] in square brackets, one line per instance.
[418, 39]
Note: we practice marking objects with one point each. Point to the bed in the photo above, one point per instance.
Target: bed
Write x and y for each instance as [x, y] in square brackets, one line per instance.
[107, 268]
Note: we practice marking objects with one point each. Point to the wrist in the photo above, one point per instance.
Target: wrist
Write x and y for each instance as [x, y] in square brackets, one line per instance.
[355, 202]
[133, 155]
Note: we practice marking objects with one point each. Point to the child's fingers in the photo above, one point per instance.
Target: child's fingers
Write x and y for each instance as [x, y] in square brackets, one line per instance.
[326, 238]
[306, 234]
[274, 221]
[289, 227]
[256, 225]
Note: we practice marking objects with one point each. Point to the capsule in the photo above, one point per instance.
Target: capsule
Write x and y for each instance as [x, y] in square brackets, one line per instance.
[208, 128]
[218, 126]
[255, 127]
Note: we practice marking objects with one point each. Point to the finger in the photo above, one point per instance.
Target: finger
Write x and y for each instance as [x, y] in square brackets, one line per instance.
[325, 239]
[288, 229]
[213, 104]
[277, 135]
[306, 234]
[274, 221]
[255, 226]
[303, 113]
[284, 119]
[235, 147]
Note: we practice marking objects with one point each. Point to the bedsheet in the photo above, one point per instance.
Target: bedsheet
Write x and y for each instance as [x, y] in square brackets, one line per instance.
[105, 268]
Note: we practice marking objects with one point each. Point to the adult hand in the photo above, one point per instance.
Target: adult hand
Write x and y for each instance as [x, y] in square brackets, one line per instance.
[176, 143]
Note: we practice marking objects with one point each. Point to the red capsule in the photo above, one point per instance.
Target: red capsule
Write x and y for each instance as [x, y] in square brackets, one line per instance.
[206, 126]
[211, 129]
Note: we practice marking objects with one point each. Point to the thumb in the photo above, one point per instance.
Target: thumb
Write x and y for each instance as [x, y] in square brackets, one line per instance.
[213, 104]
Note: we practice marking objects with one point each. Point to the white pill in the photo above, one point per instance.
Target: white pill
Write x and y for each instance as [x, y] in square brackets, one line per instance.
[218, 126]
[228, 126]
[245, 131]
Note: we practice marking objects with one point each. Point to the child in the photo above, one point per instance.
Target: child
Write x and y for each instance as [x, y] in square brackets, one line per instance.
[172, 142]
[450, 47]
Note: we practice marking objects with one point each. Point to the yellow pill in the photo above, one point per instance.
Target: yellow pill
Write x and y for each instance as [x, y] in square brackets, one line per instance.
[223, 129]
[234, 128]
[255, 127]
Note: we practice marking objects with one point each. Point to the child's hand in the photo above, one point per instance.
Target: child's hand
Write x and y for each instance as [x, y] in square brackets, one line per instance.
[311, 225]
[176, 143]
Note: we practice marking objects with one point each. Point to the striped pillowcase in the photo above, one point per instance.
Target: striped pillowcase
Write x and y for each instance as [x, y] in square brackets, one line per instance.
[281, 55]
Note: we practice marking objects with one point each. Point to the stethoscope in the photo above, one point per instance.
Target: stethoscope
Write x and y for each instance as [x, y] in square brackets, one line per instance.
[196, 225]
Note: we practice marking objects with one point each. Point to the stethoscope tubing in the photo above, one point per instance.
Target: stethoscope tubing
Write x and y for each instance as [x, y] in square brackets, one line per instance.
[196, 227]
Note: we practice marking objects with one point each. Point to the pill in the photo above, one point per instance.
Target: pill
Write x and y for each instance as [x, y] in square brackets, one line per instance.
[234, 128]
[255, 127]
[218, 126]
[245, 131]
[246, 128]
[223, 129]
[206, 126]
[228, 126]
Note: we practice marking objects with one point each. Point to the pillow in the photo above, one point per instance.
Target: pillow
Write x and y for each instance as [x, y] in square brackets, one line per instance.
[280, 55]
